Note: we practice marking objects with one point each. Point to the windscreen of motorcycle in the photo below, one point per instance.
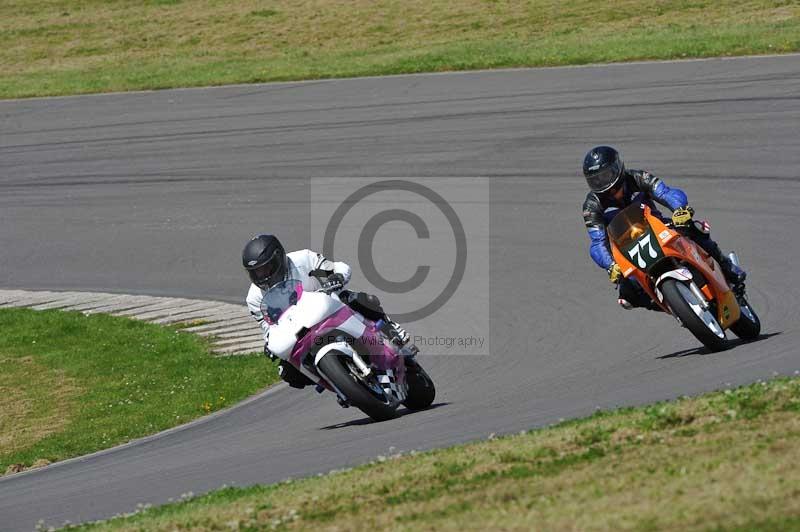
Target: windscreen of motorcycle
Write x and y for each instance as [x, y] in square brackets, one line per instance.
[279, 298]
[634, 237]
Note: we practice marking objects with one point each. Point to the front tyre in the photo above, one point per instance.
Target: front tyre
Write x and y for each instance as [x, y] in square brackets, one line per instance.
[748, 326]
[700, 321]
[336, 369]
[421, 390]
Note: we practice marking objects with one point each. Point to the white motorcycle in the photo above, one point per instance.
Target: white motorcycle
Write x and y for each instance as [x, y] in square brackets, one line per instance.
[344, 352]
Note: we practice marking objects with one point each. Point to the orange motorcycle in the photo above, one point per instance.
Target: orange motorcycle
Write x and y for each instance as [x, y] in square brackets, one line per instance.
[680, 277]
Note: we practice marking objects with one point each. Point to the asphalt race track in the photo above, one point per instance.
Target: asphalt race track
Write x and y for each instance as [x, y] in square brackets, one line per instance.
[156, 192]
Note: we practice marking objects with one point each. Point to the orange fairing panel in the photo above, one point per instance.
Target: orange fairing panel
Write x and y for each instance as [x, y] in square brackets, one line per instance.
[728, 312]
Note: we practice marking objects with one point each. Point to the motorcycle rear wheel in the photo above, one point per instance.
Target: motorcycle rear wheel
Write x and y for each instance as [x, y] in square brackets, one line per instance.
[334, 366]
[421, 390]
[701, 323]
[748, 326]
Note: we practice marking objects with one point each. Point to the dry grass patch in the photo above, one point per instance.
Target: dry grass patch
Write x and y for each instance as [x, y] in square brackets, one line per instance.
[64, 46]
[35, 401]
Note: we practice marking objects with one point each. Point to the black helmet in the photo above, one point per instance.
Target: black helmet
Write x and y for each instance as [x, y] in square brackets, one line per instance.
[602, 168]
[265, 261]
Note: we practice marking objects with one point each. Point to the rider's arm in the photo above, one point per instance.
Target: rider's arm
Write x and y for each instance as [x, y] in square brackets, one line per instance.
[659, 191]
[599, 249]
[321, 263]
[254, 297]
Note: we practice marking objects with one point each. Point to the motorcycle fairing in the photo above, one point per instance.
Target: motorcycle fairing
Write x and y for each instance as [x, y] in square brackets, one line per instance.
[634, 221]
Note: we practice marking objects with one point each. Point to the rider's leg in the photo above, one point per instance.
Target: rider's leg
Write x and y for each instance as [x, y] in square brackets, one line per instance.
[632, 295]
[700, 232]
[293, 376]
[369, 306]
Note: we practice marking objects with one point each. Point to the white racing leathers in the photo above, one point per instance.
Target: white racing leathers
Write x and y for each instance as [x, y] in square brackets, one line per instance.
[300, 264]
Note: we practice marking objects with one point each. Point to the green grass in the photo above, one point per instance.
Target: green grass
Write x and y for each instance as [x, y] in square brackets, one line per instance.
[77, 46]
[72, 384]
[719, 462]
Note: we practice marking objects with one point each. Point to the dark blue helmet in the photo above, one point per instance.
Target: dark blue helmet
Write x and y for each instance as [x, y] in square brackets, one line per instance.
[603, 168]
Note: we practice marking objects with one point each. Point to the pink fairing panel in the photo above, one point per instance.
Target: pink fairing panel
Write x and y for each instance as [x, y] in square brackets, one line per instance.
[383, 354]
[316, 335]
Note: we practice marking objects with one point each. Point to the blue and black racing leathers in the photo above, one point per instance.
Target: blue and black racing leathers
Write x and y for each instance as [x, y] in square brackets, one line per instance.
[600, 209]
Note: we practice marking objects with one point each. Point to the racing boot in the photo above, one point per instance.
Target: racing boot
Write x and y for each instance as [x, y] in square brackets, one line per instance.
[396, 334]
[624, 303]
[733, 273]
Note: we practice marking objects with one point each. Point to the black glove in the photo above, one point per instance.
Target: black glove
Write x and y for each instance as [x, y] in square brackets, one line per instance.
[269, 354]
[335, 280]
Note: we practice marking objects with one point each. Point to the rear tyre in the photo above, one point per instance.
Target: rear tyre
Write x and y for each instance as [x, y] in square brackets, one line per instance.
[421, 390]
[335, 368]
[748, 326]
[701, 323]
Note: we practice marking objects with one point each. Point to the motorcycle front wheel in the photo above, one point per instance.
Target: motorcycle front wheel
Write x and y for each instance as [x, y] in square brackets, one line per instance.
[700, 321]
[334, 365]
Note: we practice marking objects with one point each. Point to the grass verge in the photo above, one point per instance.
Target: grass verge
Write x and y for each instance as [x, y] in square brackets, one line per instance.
[723, 461]
[72, 384]
[57, 47]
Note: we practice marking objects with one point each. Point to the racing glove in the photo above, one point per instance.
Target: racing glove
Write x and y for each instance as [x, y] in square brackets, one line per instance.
[335, 279]
[269, 354]
[682, 216]
[614, 273]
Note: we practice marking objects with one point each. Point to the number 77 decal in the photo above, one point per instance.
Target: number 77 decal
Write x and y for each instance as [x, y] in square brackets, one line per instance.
[636, 251]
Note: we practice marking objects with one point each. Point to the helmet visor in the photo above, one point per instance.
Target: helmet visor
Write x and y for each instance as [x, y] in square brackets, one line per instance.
[263, 274]
[605, 178]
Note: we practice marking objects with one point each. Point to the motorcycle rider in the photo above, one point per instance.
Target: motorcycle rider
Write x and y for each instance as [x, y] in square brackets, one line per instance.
[613, 187]
[267, 264]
